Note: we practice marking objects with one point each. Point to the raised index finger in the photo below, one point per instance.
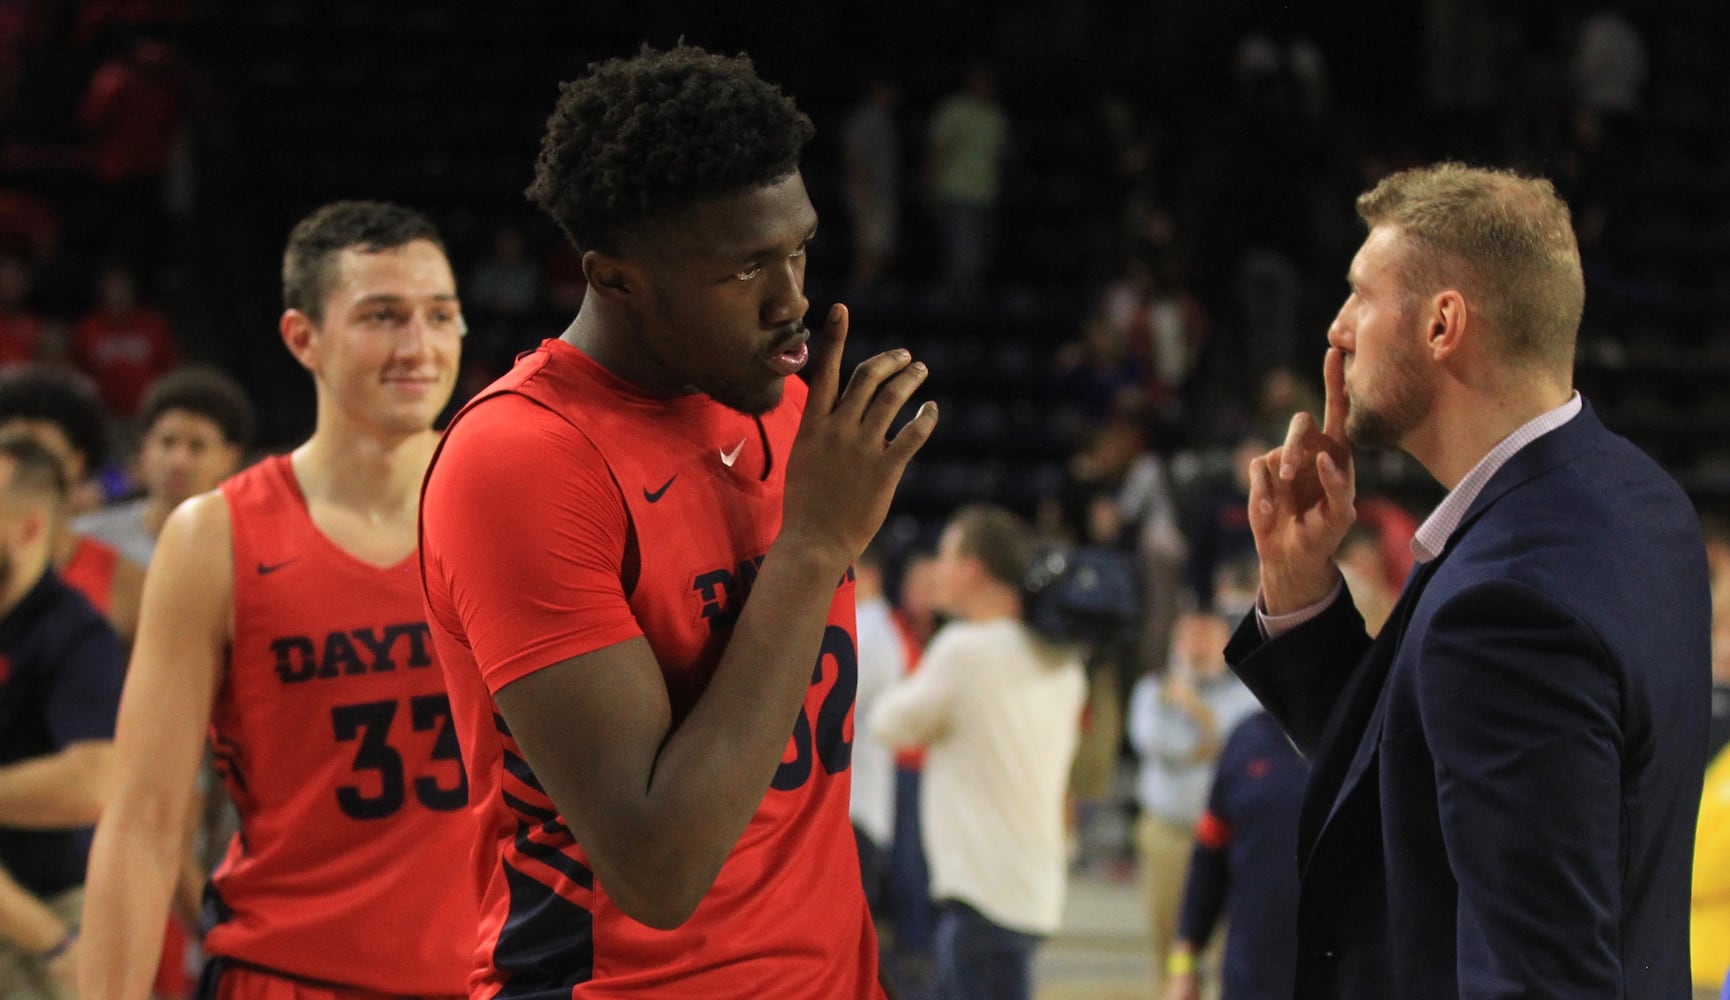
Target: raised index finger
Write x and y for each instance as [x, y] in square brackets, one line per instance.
[826, 372]
[1334, 381]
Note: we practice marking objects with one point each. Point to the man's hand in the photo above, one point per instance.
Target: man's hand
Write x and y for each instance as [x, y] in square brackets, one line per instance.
[1300, 501]
[843, 470]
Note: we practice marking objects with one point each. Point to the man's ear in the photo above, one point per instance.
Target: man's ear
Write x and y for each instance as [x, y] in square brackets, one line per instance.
[1447, 321]
[299, 334]
[610, 277]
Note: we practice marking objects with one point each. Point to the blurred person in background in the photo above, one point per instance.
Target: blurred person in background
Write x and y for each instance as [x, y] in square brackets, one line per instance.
[871, 156]
[966, 144]
[1242, 871]
[996, 708]
[197, 424]
[60, 677]
[122, 343]
[59, 410]
[1177, 724]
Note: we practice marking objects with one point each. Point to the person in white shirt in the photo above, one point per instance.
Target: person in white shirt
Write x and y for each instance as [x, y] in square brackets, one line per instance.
[998, 710]
[882, 662]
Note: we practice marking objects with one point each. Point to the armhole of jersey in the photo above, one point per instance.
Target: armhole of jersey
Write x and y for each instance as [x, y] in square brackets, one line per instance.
[631, 561]
[769, 452]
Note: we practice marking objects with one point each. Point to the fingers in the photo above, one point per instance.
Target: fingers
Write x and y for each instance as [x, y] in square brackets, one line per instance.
[826, 373]
[891, 396]
[1334, 381]
[867, 377]
[910, 438]
[1339, 488]
[1296, 452]
[1261, 486]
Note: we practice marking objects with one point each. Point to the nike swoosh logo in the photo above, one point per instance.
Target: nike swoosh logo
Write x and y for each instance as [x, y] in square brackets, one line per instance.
[729, 457]
[264, 570]
[656, 496]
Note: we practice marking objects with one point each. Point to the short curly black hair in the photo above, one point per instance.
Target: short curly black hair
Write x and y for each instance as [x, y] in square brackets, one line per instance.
[370, 226]
[62, 398]
[207, 392]
[644, 138]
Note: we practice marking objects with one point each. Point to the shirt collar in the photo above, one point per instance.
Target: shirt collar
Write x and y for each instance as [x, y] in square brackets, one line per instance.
[1432, 536]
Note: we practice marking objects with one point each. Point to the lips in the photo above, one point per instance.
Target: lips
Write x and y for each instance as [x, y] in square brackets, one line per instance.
[793, 353]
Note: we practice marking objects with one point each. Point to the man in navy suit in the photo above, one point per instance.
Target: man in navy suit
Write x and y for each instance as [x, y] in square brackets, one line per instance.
[1504, 783]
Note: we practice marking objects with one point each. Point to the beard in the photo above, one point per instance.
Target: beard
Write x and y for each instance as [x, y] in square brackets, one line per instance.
[1404, 395]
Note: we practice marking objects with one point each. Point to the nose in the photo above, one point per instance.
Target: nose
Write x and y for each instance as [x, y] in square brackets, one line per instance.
[412, 337]
[785, 300]
[1340, 331]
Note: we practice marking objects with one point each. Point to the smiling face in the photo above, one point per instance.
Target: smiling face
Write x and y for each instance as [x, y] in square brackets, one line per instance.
[386, 352]
[720, 299]
[1388, 380]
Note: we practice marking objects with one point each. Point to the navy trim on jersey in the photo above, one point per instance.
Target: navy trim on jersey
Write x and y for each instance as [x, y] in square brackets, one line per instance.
[543, 931]
[551, 856]
[529, 809]
[520, 770]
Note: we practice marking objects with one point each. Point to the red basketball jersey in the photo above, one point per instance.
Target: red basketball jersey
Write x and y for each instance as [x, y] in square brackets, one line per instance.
[334, 736]
[541, 485]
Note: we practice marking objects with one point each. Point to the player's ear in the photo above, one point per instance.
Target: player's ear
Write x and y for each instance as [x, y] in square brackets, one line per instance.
[299, 334]
[611, 277]
[1447, 321]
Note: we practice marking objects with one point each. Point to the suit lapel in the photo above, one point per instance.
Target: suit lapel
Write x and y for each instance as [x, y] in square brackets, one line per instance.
[1334, 778]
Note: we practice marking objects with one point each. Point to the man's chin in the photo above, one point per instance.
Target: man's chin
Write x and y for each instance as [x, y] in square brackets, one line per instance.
[753, 404]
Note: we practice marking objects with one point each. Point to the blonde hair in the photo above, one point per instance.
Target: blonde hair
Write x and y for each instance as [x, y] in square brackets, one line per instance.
[1504, 239]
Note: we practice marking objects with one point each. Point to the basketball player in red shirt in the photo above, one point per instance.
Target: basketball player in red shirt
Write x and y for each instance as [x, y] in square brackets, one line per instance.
[636, 548]
[285, 609]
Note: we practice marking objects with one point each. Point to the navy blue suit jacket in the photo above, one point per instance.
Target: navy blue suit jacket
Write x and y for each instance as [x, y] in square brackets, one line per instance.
[1504, 784]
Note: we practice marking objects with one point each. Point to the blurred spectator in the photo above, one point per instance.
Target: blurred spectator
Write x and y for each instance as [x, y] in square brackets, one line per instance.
[197, 425]
[1284, 394]
[1393, 526]
[1163, 324]
[882, 662]
[968, 139]
[20, 326]
[1609, 68]
[122, 343]
[913, 916]
[1360, 562]
[1177, 725]
[60, 676]
[1709, 920]
[505, 282]
[1717, 534]
[996, 709]
[500, 301]
[1147, 506]
[1219, 534]
[134, 112]
[1244, 869]
[1096, 375]
[59, 410]
[871, 156]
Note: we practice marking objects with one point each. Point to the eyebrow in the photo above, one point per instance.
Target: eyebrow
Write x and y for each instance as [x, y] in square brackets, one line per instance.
[771, 251]
[383, 298]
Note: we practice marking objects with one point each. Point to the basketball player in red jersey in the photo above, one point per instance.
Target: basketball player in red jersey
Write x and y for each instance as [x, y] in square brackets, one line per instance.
[286, 609]
[636, 549]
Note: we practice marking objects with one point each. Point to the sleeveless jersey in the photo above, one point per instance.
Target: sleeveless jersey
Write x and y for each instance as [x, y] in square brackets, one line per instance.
[333, 735]
[90, 571]
[786, 918]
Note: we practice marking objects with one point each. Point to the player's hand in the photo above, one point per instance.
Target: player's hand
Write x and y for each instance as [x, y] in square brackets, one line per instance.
[844, 468]
[1300, 501]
